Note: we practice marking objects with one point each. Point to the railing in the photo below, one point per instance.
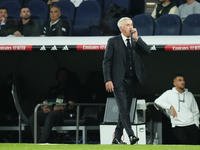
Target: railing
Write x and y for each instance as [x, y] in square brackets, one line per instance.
[77, 116]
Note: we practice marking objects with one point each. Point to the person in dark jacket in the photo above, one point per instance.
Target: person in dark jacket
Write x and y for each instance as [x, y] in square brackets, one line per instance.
[7, 26]
[164, 7]
[27, 26]
[64, 92]
[55, 26]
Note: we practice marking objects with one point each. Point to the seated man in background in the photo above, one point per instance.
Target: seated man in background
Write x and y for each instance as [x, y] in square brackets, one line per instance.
[27, 26]
[191, 7]
[180, 104]
[50, 116]
[7, 26]
[164, 7]
[55, 27]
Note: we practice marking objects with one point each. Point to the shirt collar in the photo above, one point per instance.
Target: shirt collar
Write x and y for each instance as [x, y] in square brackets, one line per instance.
[54, 22]
[124, 39]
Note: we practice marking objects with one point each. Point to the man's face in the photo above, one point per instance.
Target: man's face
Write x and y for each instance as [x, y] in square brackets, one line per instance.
[126, 28]
[3, 13]
[54, 14]
[179, 82]
[25, 13]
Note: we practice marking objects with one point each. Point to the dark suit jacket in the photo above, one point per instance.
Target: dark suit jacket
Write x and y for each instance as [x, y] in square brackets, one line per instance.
[114, 63]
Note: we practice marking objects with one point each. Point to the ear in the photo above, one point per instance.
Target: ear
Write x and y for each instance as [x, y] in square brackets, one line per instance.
[174, 83]
[120, 28]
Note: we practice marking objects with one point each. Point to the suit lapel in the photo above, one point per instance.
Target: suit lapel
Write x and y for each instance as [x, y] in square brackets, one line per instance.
[122, 47]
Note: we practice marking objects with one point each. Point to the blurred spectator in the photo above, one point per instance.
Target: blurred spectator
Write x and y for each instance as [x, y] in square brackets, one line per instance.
[191, 7]
[55, 26]
[164, 7]
[27, 26]
[7, 25]
[50, 116]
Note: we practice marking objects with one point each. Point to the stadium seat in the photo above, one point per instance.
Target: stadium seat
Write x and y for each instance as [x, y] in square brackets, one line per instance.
[144, 24]
[191, 25]
[168, 24]
[67, 9]
[39, 8]
[87, 19]
[20, 1]
[13, 8]
[101, 2]
[39, 20]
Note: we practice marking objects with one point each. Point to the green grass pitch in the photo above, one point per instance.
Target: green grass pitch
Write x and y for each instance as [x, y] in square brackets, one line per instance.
[94, 147]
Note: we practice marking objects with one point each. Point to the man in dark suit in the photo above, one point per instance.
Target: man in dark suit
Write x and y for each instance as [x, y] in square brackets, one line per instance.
[122, 69]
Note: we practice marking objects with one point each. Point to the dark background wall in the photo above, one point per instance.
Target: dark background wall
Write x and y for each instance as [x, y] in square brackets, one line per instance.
[38, 69]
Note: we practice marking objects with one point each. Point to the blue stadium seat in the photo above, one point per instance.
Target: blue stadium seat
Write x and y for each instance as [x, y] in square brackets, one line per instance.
[191, 25]
[67, 9]
[168, 24]
[39, 20]
[101, 2]
[39, 8]
[144, 24]
[13, 8]
[87, 19]
[20, 1]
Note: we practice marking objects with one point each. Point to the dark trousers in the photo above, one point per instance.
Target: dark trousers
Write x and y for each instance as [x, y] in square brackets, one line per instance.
[187, 135]
[123, 96]
[47, 121]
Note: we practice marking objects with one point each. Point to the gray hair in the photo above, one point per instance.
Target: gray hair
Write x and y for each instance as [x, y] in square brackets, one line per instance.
[120, 23]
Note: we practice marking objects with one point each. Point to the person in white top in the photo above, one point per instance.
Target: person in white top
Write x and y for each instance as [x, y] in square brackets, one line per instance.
[180, 104]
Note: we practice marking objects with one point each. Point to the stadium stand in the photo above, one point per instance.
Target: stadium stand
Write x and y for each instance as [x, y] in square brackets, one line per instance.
[191, 25]
[87, 20]
[168, 24]
[67, 9]
[39, 8]
[144, 24]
